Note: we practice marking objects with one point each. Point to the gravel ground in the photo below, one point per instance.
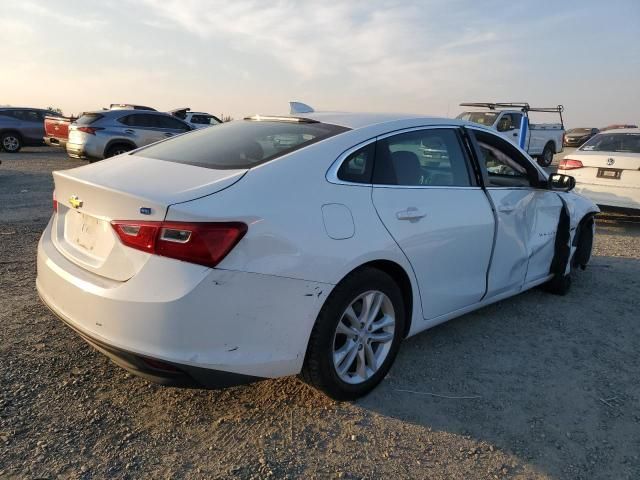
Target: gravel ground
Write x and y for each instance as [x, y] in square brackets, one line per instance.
[537, 386]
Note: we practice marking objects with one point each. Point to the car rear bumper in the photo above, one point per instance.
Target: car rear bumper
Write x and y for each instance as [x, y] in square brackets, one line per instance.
[214, 327]
[610, 195]
[55, 142]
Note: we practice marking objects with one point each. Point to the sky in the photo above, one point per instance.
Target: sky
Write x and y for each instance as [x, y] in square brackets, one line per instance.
[244, 57]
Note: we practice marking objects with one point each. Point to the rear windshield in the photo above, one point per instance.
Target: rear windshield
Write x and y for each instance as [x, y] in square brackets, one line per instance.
[483, 118]
[88, 118]
[580, 130]
[613, 142]
[241, 144]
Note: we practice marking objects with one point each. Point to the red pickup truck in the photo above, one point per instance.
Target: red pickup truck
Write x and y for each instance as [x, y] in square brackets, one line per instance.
[56, 130]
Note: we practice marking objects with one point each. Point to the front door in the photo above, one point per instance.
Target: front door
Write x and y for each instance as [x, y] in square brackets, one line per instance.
[427, 200]
[527, 216]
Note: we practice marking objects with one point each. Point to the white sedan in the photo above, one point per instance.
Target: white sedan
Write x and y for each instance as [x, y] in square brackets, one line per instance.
[607, 168]
[226, 256]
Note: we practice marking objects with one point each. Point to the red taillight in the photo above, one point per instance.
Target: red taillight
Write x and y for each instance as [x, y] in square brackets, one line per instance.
[89, 130]
[55, 202]
[569, 164]
[202, 243]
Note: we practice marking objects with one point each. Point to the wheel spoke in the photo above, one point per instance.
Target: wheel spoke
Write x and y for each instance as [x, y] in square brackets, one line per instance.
[385, 321]
[345, 330]
[381, 337]
[347, 360]
[376, 303]
[371, 357]
[361, 367]
[350, 314]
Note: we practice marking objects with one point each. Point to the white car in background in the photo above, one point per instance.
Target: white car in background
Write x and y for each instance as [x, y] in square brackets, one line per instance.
[230, 255]
[607, 168]
[196, 119]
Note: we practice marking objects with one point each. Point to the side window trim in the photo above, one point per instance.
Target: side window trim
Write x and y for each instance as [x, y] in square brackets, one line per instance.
[332, 173]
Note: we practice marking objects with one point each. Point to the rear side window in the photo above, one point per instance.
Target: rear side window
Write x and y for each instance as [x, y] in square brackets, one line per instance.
[240, 144]
[358, 166]
[432, 157]
[88, 118]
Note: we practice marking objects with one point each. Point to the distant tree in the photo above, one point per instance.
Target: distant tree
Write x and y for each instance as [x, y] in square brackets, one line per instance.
[226, 118]
[55, 109]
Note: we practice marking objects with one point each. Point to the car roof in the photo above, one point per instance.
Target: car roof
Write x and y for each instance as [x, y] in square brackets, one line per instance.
[622, 130]
[361, 120]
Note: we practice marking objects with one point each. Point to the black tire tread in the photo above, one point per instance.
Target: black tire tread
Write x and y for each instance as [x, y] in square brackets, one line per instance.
[312, 371]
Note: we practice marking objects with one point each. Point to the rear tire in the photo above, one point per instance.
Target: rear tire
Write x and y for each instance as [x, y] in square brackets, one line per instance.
[11, 142]
[117, 149]
[546, 158]
[353, 344]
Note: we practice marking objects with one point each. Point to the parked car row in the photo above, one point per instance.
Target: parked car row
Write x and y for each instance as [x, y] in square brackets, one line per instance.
[98, 134]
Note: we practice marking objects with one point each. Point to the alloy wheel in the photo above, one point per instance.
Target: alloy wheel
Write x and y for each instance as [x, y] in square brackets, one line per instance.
[10, 143]
[363, 337]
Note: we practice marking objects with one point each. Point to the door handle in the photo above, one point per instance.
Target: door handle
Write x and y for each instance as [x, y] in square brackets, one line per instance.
[128, 130]
[506, 208]
[168, 134]
[411, 213]
[515, 134]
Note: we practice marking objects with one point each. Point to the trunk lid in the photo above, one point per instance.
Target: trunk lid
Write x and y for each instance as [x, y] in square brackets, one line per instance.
[90, 197]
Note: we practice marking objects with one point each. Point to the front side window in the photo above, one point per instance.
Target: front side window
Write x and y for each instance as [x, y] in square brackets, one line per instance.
[505, 166]
[431, 157]
[240, 144]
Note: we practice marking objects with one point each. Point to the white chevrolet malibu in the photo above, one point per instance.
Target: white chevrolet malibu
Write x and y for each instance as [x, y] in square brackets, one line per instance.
[274, 246]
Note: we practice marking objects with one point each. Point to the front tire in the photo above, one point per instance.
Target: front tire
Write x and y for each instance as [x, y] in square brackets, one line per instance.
[357, 335]
[11, 142]
[546, 158]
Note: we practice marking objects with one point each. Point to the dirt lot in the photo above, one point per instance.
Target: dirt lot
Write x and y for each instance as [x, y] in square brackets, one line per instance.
[536, 386]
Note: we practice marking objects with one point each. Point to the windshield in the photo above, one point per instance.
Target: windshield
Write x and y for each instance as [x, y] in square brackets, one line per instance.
[483, 118]
[613, 142]
[240, 144]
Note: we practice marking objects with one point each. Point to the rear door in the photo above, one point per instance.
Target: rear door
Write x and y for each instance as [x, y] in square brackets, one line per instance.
[31, 125]
[527, 214]
[441, 219]
[169, 126]
[141, 128]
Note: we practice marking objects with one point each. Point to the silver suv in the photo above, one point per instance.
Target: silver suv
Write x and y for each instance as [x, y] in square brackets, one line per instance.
[105, 133]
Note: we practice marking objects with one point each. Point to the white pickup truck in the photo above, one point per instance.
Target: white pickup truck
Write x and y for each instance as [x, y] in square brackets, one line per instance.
[541, 140]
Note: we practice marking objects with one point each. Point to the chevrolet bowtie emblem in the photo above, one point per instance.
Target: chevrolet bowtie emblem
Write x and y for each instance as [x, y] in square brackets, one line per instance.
[75, 201]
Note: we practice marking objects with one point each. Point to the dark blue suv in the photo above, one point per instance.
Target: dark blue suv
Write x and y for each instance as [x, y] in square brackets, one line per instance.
[21, 127]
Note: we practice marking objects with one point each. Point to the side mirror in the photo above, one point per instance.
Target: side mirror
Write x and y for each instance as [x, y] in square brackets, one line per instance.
[562, 183]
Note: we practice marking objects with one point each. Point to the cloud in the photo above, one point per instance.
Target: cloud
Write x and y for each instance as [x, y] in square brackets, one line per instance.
[396, 45]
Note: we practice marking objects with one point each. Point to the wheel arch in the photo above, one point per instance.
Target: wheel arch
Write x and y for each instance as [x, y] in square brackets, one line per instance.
[402, 279]
[12, 130]
[118, 141]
